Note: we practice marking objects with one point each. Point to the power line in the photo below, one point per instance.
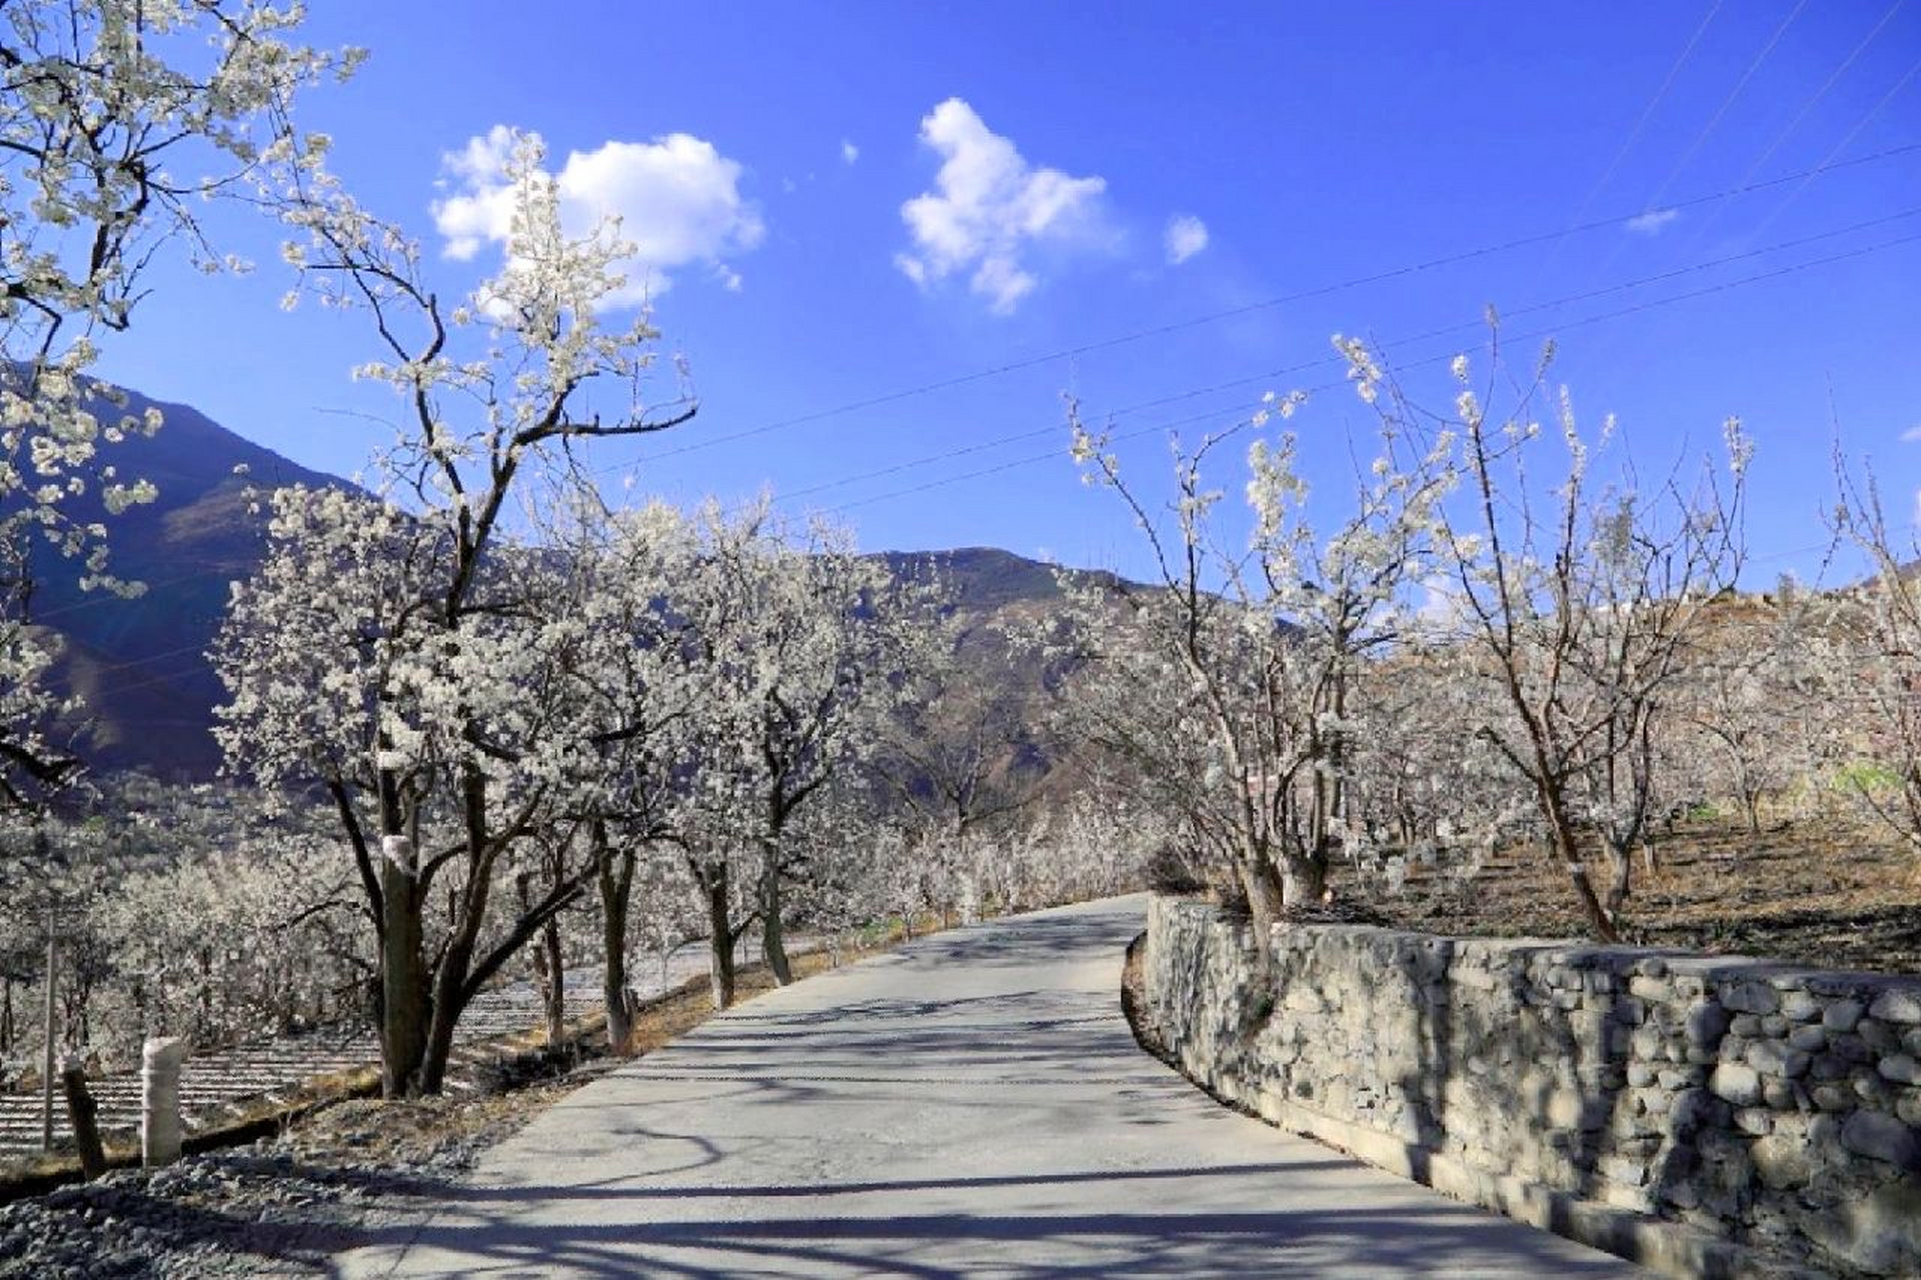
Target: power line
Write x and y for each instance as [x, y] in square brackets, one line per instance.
[1054, 455]
[1546, 331]
[1714, 122]
[1841, 146]
[1271, 374]
[1165, 401]
[1803, 176]
[1834, 78]
[1634, 134]
[1213, 317]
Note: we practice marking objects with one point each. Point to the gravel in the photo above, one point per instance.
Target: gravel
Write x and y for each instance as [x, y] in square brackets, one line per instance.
[281, 1206]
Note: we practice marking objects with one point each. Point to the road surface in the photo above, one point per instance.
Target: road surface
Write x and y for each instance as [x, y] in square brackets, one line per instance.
[972, 1104]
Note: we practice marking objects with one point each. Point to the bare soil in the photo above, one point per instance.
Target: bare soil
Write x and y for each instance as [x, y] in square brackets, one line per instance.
[1805, 892]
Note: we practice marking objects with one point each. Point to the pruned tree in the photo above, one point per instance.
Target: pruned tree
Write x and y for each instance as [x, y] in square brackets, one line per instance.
[442, 702]
[1233, 673]
[1870, 665]
[961, 755]
[805, 646]
[1576, 611]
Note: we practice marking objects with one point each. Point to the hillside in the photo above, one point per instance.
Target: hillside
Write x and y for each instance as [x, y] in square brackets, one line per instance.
[140, 664]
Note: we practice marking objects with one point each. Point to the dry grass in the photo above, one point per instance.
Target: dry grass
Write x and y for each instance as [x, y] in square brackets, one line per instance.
[1806, 892]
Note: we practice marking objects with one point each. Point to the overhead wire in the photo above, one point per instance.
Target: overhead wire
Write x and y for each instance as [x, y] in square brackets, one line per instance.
[1318, 361]
[1634, 134]
[1714, 122]
[1545, 331]
[1213, 388]
[1839, 147]
[1230, 313]
[1804, 176]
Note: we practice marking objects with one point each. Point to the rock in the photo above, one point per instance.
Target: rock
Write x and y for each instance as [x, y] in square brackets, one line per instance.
[1781, 1095]
[1758, 997]
[1782, 1161]
[1842, 1015]
[1834, 1097]
[1706, 1023]
[1772, 1057]
[1900, 1068]
[1736, 1084]
[1809, 1038]
[1880, 1234]
[1877, 1036]
[1800, 1006]
[1897, 1005]
[1881, 1137]
[1850, 1048]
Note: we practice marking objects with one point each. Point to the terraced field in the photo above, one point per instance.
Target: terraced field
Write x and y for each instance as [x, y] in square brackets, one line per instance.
[219, 1085]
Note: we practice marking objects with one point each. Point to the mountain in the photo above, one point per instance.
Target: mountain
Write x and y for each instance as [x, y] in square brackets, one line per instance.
[141, 664]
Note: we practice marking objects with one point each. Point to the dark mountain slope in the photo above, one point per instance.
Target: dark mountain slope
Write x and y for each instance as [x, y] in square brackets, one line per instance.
[141, 666]
[140, 663]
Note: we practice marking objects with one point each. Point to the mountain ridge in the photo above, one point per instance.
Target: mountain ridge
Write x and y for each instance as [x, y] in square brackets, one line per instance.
[140, 665]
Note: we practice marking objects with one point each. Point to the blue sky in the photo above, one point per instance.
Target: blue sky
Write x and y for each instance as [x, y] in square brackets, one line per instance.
[1143, 167]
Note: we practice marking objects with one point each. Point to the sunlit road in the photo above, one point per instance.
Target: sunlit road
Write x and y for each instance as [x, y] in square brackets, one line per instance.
[970, 1105]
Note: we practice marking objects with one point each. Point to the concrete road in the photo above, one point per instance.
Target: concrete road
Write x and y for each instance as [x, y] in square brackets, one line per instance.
[970, 1105]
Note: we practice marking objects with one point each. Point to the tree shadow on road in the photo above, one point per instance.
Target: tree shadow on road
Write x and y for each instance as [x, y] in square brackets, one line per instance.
[1440, 1239]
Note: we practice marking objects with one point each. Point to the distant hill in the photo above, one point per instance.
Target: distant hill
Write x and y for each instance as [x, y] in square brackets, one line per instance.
[140, 664]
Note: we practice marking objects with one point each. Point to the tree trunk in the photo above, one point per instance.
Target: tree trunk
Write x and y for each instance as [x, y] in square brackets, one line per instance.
[1303, 880]
[616, 893]
[550, 969]
[403, 972]
[773, 945]
[554, 992]
[721, 940]
[447, 1007]
[81, 1112]
[1562, 845]
[1264, 901]
[1620, 880]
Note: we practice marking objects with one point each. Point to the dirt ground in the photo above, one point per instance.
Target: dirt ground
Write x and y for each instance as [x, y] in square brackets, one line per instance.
[1805, 892]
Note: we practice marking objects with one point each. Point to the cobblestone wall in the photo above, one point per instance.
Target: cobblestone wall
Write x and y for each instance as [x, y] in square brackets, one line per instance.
[1706, 1115]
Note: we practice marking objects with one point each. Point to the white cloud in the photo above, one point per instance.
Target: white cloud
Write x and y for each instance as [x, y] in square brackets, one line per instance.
[677, 199]
[1651, 223]
[1186, 236]
[989, 206]
[1912, 435]
[848, 152]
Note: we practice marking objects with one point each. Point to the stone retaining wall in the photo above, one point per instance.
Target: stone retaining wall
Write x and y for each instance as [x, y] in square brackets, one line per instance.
[1705, 1115]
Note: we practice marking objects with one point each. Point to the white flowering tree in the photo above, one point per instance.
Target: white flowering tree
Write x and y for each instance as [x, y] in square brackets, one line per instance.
[962, 754]
[805, 646]
[638, 696]
[1869, 662]
[441, 714]
[118, 118]
[1756, 711]
[1229, 680]
[1576, 612]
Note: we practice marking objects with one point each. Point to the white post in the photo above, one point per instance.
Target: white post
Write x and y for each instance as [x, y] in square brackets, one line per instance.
[46, 1058]
[160, 1061]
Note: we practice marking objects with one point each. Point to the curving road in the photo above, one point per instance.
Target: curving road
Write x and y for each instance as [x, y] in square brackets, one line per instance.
[972, 1104]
